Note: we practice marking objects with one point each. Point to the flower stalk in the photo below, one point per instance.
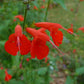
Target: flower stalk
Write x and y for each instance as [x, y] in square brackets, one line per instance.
[46, 13]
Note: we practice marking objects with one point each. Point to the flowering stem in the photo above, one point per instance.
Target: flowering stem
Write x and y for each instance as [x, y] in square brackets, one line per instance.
[69, 31]
[25, 18]
[56, 47]
[46, 13]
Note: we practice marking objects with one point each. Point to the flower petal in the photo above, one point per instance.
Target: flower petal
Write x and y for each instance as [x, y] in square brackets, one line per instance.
[57, 37]
[25, 45]
[8, 77]
[20, 17]
[39, 49]
[11, 48]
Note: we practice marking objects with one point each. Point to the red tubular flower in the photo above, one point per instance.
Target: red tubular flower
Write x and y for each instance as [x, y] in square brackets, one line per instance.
[18, 42]
[56, 35]
[40, 34]
[38, 48]
[70, 30]
[7, 76]
[35, 8]
[20, 17]
[81, 28]
[52, 26]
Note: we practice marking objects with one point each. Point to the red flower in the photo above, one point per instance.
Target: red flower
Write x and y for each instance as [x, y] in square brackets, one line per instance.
[82, 29]
[42, 7]
[20, 17]
[70, 30]
[27, 59]
[39, 48]
[35, 8]
[17, 42]
[57, 35]
[1, 68]
[7, 76]
[74, 51]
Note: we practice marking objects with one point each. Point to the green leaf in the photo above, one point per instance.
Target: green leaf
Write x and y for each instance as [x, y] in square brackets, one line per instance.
[16, 61]
[2, 74]
[2, 42]
[69, 80]
[13, 81]
[42, 71]
[61, 2]
[80, 71]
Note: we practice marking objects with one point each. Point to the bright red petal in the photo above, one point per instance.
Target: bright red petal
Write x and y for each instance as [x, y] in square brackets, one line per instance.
[38, 34]
[57, 37]
[70, 30]
[20, 17]
[42, 30]
[81, 28]
[12, 37]
[11, 48]
[48, 25]
[11, 45]
[39, 49]
[25, 45]
[18, 31]
[8, 77]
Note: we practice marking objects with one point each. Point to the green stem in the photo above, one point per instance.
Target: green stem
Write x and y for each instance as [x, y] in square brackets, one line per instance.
[46, 13]
[47, 75]
[25, 14]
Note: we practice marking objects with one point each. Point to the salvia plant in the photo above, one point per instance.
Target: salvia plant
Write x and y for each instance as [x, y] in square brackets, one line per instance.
[28, 39]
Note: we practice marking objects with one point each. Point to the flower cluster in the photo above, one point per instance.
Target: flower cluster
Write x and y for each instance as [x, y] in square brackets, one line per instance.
[18, 42]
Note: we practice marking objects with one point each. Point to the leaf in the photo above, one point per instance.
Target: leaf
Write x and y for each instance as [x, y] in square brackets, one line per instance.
[80, 71]
[13, 81]
[2, 74]
[42, 71]
[16, 61]
[2, 42]
[61, 2]
[69, 80]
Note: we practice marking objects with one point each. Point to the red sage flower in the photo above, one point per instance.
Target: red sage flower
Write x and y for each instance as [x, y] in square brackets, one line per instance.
[81, 29]
[18, 42]
[7, 76]
[20, 17]
[56, 35]
[70, 30]
[39, 48]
